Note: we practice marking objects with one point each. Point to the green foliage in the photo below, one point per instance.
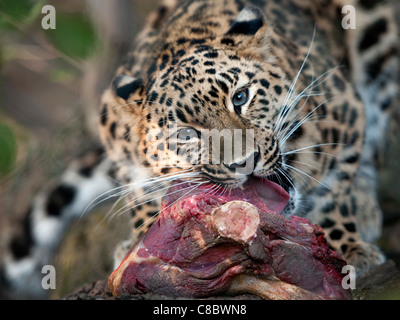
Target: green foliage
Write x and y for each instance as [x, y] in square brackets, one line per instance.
[8, 149]
[74, 35]
[18, 11]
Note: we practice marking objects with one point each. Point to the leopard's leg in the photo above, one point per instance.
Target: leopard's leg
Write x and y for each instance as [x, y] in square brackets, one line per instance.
[339, 212]
[374, 52]
[374, 58]
[46, 221]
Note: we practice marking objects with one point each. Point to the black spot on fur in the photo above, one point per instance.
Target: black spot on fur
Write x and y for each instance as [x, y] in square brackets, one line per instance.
[370, 4]
[151, 69]
[338, 83]
[228, 41]
[329, 207]
[86, 171]
[234, 70]
[274, 75]
[278, 89]
[164, 83]
[372, 34]
[336, 234]
[343, 175]
[153, 96]
[104, 115]
[386, 104]
[210, 71]
[351, 227]
[188, 110]
[203, 48]
[327, 223]
[352, 159]
[213, 94]
[162, 11]
[296, 133]
[59, 198]
[223, 86]
[322, 190]
[126, 90]
[181, 53]
[353, 206]
[374, 67]
[161, 122]
[250, 75]
[152, 214]
[113, 128]
[139, 223]
[182, 40]
[181, 115]
[20, 246]
[261, 92]
[165, 170]
[199, 30]
[197, 41]
[335, 137]
[226, 76]
[162, 99]
[353, 117]
[211, 54]
[344, 210]
[249, 27]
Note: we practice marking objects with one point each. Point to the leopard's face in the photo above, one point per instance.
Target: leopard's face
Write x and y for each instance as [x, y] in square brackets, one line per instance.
[203, 107]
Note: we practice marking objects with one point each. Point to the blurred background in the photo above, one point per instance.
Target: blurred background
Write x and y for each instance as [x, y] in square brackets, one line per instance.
[50, 81]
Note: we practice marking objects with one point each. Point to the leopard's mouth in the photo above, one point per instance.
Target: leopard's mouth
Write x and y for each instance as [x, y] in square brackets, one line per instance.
[264, 193]
[274, 191]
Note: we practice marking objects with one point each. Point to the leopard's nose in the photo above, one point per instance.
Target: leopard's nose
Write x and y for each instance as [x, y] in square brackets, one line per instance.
[250, 162]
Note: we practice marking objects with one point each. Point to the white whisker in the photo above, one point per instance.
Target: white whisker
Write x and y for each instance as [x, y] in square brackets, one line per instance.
[133, 204]
[309, 147]
[304, 120]
[282, 171]
[288, 95]
[307, 175]
[133, 186]
[192, 189]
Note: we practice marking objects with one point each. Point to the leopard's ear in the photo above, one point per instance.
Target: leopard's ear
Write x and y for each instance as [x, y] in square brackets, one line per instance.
[251, 29]
[248, 22]
[124, 86]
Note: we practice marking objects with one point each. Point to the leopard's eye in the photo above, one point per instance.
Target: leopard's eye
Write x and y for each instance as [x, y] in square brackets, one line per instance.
[187, 134]
[240, 98]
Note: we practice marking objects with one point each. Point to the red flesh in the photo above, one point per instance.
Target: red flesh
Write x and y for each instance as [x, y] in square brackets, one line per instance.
[184, 253]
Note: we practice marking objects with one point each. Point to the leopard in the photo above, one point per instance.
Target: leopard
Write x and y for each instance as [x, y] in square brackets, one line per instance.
[317, 95]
